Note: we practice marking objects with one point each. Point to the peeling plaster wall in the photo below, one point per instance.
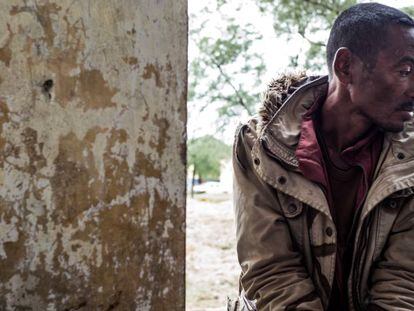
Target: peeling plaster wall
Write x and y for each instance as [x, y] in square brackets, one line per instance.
[92, 154]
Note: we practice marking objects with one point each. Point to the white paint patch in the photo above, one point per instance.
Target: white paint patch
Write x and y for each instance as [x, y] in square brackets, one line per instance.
[167, 226]
[16, 183]
[98, 150]
[8, 233]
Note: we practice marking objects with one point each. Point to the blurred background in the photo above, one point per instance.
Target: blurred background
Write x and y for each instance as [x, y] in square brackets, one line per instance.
[236, 47]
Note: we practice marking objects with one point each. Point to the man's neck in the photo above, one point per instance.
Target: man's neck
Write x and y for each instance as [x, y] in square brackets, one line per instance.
[342, 124]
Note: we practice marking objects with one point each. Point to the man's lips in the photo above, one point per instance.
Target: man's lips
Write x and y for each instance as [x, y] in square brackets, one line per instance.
[406, 109]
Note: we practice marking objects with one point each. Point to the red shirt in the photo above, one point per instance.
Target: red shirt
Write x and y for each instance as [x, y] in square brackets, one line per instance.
[312, 156]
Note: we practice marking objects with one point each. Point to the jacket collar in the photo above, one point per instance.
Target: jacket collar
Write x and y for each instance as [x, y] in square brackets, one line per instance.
[395, 170]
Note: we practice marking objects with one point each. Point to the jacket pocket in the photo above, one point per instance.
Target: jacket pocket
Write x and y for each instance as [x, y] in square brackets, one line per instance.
[293, 210]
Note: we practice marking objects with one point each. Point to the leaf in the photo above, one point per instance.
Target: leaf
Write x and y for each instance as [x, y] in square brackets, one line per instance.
[223, 61]
[305, 17]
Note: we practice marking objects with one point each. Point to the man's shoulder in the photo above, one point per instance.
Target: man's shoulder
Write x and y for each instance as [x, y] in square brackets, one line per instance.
[245, 137]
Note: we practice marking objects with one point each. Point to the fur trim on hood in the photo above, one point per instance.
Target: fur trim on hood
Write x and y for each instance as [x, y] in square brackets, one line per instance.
[277, 92]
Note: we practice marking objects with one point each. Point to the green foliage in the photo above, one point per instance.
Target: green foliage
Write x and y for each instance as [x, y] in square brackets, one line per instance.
[409, 10]
[205, 153]
[311, 19]
[226, 71]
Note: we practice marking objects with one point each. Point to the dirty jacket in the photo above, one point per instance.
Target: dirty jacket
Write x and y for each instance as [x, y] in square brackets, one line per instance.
[286, 238]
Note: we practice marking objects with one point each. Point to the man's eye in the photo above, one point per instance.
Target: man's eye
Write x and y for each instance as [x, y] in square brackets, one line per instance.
[407, 70]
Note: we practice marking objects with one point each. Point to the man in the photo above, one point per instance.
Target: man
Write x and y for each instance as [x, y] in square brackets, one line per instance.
[324, 178]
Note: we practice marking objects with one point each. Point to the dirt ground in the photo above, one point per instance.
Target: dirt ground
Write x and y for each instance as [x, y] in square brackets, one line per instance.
[211, 264]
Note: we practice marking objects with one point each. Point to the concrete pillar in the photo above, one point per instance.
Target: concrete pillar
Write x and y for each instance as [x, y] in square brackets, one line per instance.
[92, 154]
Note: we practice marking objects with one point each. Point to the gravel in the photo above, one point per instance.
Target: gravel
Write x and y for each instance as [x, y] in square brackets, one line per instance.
[212, 269]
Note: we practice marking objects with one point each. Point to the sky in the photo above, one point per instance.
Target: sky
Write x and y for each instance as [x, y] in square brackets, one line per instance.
[275, 51]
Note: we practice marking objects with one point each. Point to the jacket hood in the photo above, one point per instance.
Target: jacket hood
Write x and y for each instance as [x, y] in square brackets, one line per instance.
[278, 90]
[285, 102]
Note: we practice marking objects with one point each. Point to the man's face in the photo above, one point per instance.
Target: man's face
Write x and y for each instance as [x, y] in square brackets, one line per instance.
[385, 94]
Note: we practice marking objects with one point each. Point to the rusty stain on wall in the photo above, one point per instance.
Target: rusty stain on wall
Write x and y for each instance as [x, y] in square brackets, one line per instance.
[153, 72]
[92, 172]
[5, 50]
[130, 60]
[94, 89]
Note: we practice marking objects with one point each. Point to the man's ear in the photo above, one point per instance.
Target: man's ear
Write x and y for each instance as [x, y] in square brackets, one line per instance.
[342, 65]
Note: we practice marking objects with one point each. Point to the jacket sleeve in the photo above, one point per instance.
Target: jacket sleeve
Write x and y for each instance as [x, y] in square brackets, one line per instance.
[273, 273]
[393, 276]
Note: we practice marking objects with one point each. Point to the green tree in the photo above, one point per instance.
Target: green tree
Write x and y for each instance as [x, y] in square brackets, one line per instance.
[205, 154]
[226, 70]
[311, 19]
[409, 10]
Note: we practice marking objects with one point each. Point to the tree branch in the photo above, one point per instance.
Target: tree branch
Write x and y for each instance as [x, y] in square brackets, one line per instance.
[228, 81]
[323, 5]
[311, 41]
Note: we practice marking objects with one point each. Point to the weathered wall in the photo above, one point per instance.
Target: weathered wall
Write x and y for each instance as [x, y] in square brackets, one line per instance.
[92, 154]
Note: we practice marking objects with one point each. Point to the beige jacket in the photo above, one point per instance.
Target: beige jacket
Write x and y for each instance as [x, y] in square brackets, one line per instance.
[286, 238]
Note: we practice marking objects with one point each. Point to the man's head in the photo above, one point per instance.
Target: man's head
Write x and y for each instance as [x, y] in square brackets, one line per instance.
[363, 29]
[370, 55]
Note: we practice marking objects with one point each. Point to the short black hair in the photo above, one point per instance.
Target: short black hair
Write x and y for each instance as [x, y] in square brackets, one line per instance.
[361, 28]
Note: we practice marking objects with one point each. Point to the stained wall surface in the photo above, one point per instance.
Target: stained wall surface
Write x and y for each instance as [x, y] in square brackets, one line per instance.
[92, 154]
